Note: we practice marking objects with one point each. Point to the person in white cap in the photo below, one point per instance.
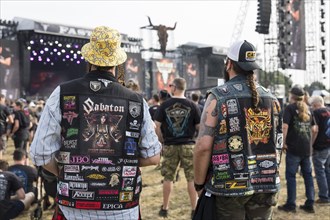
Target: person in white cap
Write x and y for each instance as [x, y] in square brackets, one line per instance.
[86, 155]
[237, 154]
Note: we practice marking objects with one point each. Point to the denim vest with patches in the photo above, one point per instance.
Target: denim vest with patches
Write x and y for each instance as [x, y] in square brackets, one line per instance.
[247, 145]
[98, 159]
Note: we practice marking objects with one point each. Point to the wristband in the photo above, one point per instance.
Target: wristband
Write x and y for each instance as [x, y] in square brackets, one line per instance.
[198, 187]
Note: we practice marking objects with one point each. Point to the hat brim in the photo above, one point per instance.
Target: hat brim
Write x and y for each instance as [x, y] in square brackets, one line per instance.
[248, 66]
[115, 58]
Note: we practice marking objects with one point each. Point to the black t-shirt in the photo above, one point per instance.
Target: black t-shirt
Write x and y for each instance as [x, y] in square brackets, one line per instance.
[27, 174]
[4, 113]
[23, 126]
[322, 119]
[178, 117]
[152, 111]
[298, 138]
[9, 183]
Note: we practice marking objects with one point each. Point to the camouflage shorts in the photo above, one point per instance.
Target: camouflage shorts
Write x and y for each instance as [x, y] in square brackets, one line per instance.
[173, 155]
[257, 206]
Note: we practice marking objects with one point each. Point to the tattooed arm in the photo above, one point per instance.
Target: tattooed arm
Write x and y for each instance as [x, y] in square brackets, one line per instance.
[203, 148]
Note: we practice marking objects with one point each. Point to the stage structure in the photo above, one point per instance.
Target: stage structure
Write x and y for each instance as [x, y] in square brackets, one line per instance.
[49, 54]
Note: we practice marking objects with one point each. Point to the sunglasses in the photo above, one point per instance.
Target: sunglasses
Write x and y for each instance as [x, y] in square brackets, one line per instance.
[171, 85]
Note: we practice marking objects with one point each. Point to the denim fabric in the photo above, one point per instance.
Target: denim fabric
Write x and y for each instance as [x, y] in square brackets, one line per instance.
[292, 164]
[321, 160]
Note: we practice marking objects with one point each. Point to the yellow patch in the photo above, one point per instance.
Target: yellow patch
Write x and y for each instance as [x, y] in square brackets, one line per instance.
[250, 55]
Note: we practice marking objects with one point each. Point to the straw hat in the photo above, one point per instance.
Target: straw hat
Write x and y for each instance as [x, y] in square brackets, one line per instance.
[104, 48]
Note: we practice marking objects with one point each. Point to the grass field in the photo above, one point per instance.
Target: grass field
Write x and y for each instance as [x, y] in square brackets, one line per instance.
[151, 197]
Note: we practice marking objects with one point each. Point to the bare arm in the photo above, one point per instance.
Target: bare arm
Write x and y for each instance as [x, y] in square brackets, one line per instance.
[6, 61]
[315, 131]
[15, 127]
[19, 195]
[285, 132]
[203, 148]
[159, 132]
[149, 161]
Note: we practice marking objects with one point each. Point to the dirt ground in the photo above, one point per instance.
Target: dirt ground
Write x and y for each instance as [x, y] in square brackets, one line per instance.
[151, 197]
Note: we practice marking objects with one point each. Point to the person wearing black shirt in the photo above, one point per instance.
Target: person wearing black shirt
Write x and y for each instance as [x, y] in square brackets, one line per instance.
[297, 124]
[321, 147]
[5, 118]
[177, 120]
[20, 131]
[27, 174]
[12, 206]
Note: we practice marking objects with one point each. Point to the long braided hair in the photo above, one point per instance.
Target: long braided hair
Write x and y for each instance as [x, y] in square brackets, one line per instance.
[251, 84]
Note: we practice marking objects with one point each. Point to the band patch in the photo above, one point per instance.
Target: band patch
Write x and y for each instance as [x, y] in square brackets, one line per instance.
[236, 184]
[134, 109]
[238, 161]
[95, 85]
[69, 102]
[258, 125]
[235, 143]
[232, 106]
[223, 127]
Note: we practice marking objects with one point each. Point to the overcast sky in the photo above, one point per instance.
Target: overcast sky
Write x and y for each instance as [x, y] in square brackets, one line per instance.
[206, 22]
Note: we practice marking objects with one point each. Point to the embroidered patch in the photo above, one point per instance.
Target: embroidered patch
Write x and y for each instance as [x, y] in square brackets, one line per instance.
[235, 143]
[220, 159]
[70, 116]
[236, 184]
[63, 188]
[238, 87]
[224, 175]
[220, 146]
[224, 90]
[134, 125]
[232, 106]
[266, 164]
[258, 125]
[224, 110]
[223, 127]
[130, 146]
[241, 176]
[134, 109]
[234, 124]
[238, 161]
[125, 196]
[69, 102]
[250, 55]
[105, 82]
[95, 85]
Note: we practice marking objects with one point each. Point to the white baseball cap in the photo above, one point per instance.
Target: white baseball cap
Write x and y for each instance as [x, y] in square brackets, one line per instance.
[244, 53]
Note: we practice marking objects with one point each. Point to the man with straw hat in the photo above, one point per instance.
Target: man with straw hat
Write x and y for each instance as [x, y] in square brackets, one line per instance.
[94, 134]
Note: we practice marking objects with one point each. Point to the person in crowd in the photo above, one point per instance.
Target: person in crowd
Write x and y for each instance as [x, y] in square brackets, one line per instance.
[5, 119]
[27, 174]
[297, 124]
[20, 129]
[96, 181]
[153, 105]
[195, 96]
[321, 147]
[12, 206]
[133, 85]
[237, 154]
[177, 120]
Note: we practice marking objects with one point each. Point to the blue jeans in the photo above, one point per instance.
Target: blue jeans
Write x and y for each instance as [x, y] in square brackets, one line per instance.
[292, 164]
[321, 160]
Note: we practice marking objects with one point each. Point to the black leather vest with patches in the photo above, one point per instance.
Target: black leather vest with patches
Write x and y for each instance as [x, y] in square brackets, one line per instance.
[247, 145]
[98, 160]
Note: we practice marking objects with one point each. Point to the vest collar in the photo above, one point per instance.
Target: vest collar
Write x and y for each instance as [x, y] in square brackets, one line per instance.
[238, 77]
[96, 74]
